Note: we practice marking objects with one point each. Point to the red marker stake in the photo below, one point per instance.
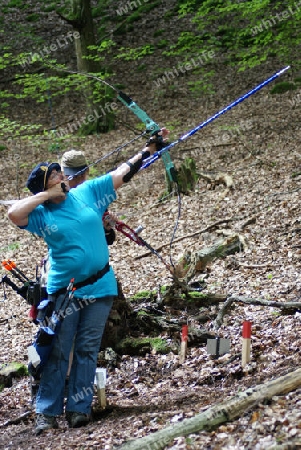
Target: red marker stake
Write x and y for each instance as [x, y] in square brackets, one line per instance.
[246, 343]
[184, 342]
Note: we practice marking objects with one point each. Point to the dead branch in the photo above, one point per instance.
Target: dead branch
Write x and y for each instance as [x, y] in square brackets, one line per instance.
[237, 263]
[218, 178]
[287, 306]
[220, 316]
[249, 221]
[195, 233]
[16, 420]
[228, 410]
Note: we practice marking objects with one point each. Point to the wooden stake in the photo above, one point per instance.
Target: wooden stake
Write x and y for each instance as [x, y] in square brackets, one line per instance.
[100, 378]
[246, 343]
[184, 342]
[101, 395]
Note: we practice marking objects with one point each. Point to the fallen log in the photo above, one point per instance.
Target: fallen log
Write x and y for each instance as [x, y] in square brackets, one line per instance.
[191, 263]
[226, 411]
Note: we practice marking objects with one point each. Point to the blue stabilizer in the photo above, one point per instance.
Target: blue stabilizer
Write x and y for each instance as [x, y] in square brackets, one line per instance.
[147, 162]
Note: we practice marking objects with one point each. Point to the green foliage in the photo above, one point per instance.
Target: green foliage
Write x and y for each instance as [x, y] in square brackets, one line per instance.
[136, 346]
[13, 246]
[247, 33]
[188, 41]
[142, 10]
[100, 10]
[197, 294]
[17, 4]
[49, 7]
[33, 17]
[142, 294]
[93, 172]
[105, 46]
[203, 85]
[282, 87]
[160, 346]
[132, 54]
[13, 128]
[163, 43]
[295, 174]
[141, 68]
[187, 176]
[40, 86]
[158, 33]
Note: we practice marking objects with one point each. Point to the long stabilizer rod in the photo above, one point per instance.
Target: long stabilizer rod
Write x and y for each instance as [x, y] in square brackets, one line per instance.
[158, 154]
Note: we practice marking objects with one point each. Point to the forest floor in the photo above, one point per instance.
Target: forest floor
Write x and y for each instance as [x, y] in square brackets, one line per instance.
[258, 144]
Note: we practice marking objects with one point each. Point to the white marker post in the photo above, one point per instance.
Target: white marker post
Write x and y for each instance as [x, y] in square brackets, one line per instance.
[100, 381]
[246, 343]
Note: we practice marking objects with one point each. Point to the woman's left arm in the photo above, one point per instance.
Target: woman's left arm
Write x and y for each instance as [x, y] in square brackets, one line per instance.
[127, 170]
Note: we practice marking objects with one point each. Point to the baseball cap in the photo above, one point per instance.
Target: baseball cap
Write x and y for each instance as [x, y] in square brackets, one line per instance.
[73, 161]
[38, 178]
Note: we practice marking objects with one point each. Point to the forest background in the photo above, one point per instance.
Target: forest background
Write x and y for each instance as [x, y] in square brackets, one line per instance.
[181, 62]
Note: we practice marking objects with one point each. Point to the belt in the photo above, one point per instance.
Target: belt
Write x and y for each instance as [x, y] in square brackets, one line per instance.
[87, 281]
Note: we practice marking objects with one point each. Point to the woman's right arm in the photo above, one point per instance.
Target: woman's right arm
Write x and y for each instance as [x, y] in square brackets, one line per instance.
[18, 213]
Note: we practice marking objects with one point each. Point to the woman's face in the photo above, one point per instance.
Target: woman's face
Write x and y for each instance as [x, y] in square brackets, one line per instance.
[55, 177]
[77, 179]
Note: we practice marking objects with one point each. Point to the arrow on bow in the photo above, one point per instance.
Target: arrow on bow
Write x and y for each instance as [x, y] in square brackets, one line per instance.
[160, 153]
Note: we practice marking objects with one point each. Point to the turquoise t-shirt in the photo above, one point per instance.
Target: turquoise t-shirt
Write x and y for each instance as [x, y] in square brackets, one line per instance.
[74, 233]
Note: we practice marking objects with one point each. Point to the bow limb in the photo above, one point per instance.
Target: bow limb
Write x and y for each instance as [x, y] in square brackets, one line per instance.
[129, 232]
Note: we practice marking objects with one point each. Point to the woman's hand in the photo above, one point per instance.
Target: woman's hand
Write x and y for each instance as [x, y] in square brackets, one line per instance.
[58, 191]
[152, 148]
[109, 221]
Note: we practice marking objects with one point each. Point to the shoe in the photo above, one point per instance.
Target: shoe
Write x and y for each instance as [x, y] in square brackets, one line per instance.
[77, 419]
[44, 422]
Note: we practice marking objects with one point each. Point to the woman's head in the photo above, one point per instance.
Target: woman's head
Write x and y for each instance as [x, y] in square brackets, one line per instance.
[42, 175]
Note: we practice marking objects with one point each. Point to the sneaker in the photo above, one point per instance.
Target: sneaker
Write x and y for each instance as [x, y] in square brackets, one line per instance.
[77, 419]
[44, 422]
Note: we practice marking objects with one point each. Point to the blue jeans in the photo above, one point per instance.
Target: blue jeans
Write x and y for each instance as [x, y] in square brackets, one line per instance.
[83, 324]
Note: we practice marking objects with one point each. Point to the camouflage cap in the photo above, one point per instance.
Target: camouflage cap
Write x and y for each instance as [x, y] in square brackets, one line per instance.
[73, 162]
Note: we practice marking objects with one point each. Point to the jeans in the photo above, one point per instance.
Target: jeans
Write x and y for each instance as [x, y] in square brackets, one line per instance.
[83, 324]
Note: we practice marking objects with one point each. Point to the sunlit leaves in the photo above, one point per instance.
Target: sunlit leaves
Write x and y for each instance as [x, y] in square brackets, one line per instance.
[247, 32]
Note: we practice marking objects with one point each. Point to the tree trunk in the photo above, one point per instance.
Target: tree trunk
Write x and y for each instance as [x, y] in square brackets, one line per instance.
[82, 22]
[226, 411]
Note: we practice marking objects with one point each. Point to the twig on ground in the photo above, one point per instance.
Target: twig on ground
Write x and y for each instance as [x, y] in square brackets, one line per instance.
[16, 420]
